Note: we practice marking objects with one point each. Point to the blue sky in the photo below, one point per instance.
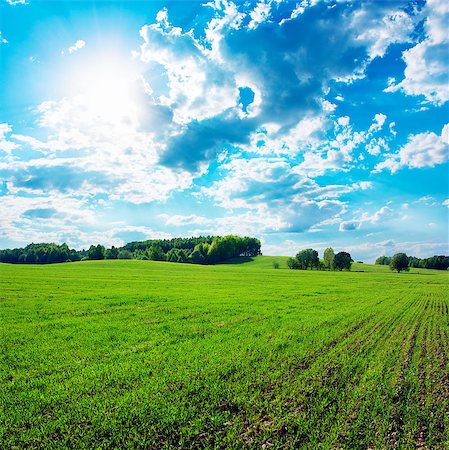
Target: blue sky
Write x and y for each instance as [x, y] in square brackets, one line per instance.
[306, 124]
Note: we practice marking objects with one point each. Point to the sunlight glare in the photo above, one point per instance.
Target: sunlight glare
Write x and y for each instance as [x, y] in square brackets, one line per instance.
[107, 90]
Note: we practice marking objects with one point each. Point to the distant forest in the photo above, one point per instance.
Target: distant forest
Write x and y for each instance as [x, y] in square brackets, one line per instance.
[435, 262]
[196, 250]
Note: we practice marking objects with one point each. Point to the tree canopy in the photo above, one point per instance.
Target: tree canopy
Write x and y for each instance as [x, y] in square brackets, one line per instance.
[399, 262]
[196, 250]
[437, 262]
[328, 258]
[343, 261]
[308, 258]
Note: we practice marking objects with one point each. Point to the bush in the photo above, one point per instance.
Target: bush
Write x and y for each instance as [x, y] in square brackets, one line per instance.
[275, 265]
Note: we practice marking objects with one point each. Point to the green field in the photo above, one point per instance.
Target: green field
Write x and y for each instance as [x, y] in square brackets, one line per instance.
[141, 354]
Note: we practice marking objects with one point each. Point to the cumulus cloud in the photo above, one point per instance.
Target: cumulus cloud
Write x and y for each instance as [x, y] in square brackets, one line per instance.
[198, 89]
[108, 154]
[427, 63]
[379, 25]
[365, 219]
[273, 188]
[247, 47]
[378, 122]
[246, 100]
[6, 145]
[259, 14]
[422, 150]
[349, 225]
[2, 39]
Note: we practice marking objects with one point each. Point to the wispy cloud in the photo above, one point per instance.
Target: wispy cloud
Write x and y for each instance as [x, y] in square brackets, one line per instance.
[78, 45]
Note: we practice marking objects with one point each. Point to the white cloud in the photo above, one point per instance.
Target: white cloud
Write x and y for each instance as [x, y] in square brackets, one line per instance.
[78, 45]
[241, 224]
[445, 134]
[379, 26]
[369, 251]
[343, 121]
[6, 145]
[198, 87]
[366, 218]
[299, 9]
[259, 14]
[2, 39]
[376, 145]
[162, 16]
[446, 203]
[17, 2]
[364, 185]
[58, 218]
[228, 18]
[422, 150]
[328, 106]
[426, 200]
[378, 122]
[109, 155]
[273, 188]
[427, 62]
[316, 164]
[349, 225]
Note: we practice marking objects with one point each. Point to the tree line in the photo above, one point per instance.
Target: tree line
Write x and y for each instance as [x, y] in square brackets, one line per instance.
[438, 262]
[196, 250]
[309, 259]
[41, 254]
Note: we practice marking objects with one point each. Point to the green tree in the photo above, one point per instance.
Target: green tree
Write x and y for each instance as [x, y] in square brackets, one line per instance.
[96, 252]
[124, 254]
[399, 262]
[293, 263]
[197, 257]
[383, 260]
[155, 253]
[111, 253]
[308, 258]
[328, 258]
[342, 261]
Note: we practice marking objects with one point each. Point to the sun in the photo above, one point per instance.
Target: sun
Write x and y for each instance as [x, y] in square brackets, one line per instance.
[107, 89]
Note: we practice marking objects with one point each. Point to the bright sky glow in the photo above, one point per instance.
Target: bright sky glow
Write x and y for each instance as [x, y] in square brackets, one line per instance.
[105, 88]
[306, 124]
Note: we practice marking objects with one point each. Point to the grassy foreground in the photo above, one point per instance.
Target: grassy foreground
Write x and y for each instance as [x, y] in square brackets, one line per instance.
[140, 354]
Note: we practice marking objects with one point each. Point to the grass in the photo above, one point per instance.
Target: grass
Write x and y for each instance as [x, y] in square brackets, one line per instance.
[141, 354]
